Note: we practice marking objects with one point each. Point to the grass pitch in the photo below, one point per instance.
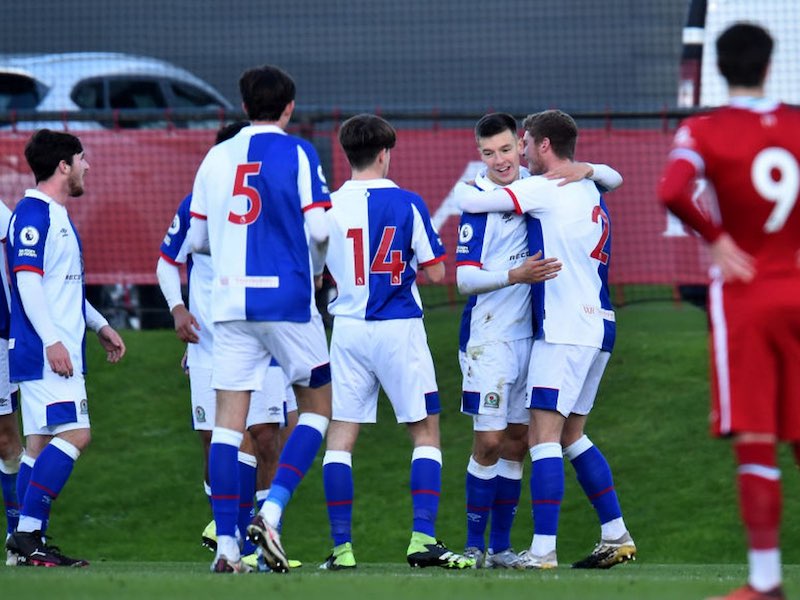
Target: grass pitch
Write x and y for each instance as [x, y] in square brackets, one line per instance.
[135, 505]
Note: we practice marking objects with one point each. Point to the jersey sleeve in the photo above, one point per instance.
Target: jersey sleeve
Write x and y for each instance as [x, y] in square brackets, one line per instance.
[198, 206]
[27, 235]
[175, 245]
[311, 181]
[530, 195]
[425, 239]
[471, 234]
[676, 185]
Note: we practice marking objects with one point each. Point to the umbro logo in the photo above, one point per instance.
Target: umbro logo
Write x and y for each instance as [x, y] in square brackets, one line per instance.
[63, 232]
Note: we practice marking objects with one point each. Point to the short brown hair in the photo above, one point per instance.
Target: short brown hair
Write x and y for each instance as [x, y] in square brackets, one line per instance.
[363, 136]
[46, 148]
[558, 127]
[266, 91]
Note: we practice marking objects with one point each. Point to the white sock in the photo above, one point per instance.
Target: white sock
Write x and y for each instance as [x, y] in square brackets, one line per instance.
[228, 547]
[613, 529]
[765, 569]
[543, 544]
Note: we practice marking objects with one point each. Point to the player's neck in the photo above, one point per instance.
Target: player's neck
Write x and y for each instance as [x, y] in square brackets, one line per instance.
[55, 189]
[746, 92]
[375, 171]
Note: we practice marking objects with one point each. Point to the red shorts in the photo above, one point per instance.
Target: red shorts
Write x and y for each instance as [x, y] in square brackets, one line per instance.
[755, 358]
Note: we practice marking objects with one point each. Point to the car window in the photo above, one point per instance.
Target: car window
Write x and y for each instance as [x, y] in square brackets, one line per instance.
[89, 94]
[135, 93]
[188, 96]
[18, 92]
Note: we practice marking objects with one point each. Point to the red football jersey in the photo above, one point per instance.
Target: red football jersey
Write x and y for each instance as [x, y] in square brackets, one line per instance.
[750, 152]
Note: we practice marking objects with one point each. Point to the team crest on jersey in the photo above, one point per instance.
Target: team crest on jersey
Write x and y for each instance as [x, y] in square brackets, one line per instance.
[491, 400]
[465, 233]
[84, 407]
[199, 414]
[29, 236]
[176, 225]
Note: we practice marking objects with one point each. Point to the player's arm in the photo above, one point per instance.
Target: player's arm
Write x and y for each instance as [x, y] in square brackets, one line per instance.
[676, 191]
[472, 279]
[318, 231]
[603, 175]
[109, 339]
[31, 294]
[472, 200]
[169, 280]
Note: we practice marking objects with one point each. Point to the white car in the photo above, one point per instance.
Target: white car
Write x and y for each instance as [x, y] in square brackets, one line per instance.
[96, 81]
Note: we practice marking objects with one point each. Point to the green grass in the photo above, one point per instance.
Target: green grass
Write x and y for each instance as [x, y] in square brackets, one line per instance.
[136, 494]
[121, 580]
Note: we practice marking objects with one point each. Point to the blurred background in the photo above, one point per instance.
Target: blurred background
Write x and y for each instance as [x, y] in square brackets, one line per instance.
[147, 84]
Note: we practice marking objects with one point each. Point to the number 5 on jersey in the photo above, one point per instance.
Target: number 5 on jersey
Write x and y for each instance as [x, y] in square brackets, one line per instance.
[242, 187]
[385, 261]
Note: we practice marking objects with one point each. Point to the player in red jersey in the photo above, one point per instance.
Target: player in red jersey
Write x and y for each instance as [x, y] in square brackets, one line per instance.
[749, 151]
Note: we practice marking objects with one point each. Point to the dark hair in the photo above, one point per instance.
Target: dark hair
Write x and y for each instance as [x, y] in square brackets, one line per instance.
[226, 132]
[362, 137]
[743, 53]
[558, 127]
[47, 148]
[266, 91]
[494, 123]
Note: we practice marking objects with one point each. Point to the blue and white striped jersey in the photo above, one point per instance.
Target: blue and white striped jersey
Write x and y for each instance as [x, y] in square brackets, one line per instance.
[380, 235]
[254, 190]
[572, 223]
[42, 239]
[494, 242]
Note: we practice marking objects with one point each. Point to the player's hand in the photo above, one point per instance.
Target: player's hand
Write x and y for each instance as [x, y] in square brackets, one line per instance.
[535, 269]
[734, 263]
[112, 343]
[59, 360]
[186, 326]
[570, 172]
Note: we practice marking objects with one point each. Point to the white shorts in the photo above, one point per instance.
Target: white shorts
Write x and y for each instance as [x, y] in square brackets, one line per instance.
[54, 404]
[394, 355]
[242, 351]
[8, 400]
[495, 379]
[564, 377]
[266, 405]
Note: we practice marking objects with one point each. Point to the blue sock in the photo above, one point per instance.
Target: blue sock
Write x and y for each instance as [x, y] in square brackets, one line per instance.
[48, 477]
[24, 477]
[8, 483]
[426, 486]
[247, 489]
[481, 486]
[224, 474]
[298, 454]
[595, 478]
[504, 508]
[337, 477]
[547, 487]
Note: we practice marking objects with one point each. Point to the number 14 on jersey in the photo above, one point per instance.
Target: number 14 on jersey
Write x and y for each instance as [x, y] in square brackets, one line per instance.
[386, 260]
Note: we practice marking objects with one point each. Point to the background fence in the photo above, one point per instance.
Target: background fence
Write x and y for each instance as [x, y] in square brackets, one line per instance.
[432, 68]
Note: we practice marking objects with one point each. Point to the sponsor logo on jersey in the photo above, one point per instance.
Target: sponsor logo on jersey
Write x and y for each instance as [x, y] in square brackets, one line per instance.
[27, 252]
[74, 277]
[465, 233]
[199, 414]
[519, 255]
[84, 407]
[462, 249]
[29, 235]
[491, 400]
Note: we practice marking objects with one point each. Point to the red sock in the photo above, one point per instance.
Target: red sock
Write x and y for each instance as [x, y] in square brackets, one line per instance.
[759, 494]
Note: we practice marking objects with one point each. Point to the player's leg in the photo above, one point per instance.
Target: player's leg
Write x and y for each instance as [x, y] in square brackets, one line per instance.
[204, 407]
[302, 351]
[239, 365]
[337, 477]
[507, 493]
[513, 454]
[594, 475]
[56, 422]
[10, 457]
[481, 484]
[355, 401]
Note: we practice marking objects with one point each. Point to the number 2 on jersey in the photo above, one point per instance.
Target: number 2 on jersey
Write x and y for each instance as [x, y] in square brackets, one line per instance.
[600, 216]
[242, 188]
[395, 265]
[776, 177]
